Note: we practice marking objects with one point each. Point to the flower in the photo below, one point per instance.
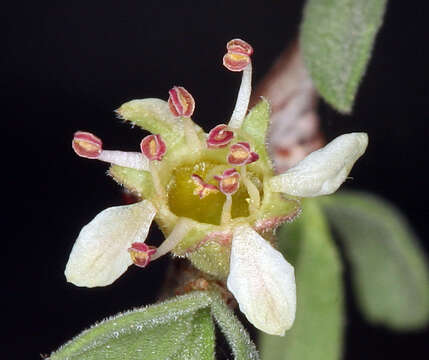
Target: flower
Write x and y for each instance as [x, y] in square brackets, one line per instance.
[215, 196]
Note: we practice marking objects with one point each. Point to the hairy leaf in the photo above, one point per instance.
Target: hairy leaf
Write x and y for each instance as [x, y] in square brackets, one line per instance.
[337, 37]
[170, 329]
[390, 273]
[317, 331]
[242, 346]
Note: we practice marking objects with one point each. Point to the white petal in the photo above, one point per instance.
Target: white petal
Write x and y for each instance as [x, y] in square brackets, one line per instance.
[99, 255]
[323, 171]
[262, 281]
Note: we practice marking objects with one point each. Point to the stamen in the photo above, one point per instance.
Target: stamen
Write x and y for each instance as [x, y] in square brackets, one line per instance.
[141, 254]
[229, 181]
[240, 154]
[202, 188]
[153, 147]
[179, 232]
[132, 160]
[239, 46]
[238, 55]
[219, 136]
[87, 145]
[226, 210]
[242, 99]
[252, 190]
[182, 104]
[238, 59]
[153, 169]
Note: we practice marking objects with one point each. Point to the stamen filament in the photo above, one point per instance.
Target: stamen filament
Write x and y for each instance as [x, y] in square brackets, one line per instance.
[155, 179]
[191, 136]
[252, 190]
[226, 210]
[134, 160]
[179, 232]
[242, 99]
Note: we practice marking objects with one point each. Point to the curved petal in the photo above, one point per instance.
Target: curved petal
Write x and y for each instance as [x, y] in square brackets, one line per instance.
[99, 255]
[323, 171]
[262, 281]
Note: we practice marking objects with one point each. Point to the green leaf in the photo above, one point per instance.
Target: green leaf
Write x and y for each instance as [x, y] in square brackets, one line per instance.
[389, 270]
[242, 346]
[318, 329]
[255, 126]
[180, 328]
[337, 37]
[201, 341]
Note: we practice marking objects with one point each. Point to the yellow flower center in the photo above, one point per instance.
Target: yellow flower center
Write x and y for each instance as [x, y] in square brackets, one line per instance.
[183, 200]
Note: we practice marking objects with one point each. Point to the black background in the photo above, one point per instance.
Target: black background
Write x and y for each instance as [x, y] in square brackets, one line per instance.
[67, 65]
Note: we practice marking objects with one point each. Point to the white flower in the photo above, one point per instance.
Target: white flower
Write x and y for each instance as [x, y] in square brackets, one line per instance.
[323, 171]
[100, 255]
[262, 281]
[174, 174]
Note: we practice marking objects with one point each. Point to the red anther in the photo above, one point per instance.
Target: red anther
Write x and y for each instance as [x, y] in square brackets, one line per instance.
[181, 102]
[235, 62]
[239, 46]
[253, 157]
[87, 145]
[153, 147]
[240, 154]
[229, 181]
[202, 188]
[238, 55]
[219, 136]
[141, 253]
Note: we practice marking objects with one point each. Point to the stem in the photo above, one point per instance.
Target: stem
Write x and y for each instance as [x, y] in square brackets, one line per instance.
[242, 99]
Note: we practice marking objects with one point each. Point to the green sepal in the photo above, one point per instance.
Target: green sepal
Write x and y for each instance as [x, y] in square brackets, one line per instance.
[276, 209]
[208, 256]
[255, 128]
[138, 182]
[167, 330]
[154, 115]
[213, 259]
[336, 38]
[318, 329]
[389, 269]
